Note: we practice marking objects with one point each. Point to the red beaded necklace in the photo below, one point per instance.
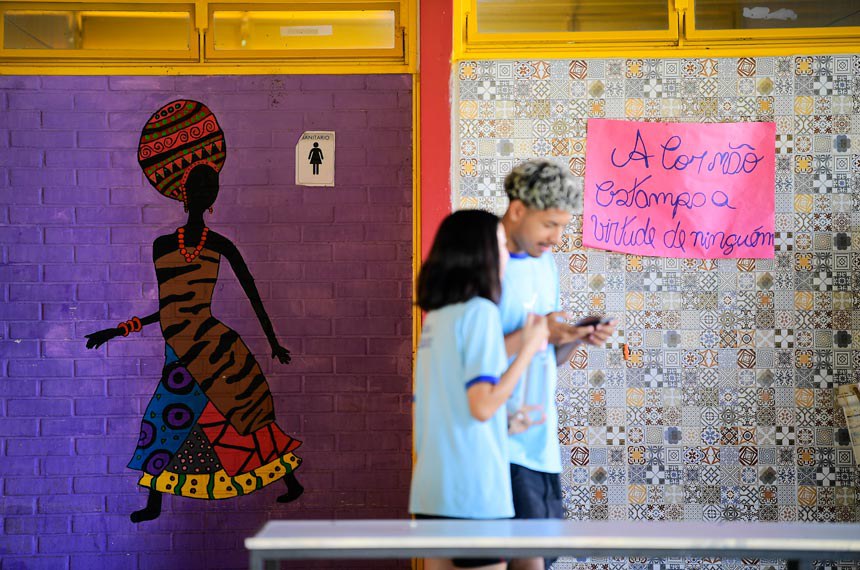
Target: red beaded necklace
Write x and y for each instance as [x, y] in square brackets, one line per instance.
[189, 257]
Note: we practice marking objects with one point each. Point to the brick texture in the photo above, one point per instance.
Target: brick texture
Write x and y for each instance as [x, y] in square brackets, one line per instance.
[77, 220]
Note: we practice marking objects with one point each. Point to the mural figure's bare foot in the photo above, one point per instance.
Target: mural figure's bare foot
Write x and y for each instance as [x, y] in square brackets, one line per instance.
[294, 489]
[150, 511]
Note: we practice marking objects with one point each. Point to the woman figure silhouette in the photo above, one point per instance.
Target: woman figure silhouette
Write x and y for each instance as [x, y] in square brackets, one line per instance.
[209, 431]
[315, 156]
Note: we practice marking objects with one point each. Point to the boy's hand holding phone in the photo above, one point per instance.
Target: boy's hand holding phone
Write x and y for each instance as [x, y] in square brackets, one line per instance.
[562, 332]
[603, 329]
[594, 321]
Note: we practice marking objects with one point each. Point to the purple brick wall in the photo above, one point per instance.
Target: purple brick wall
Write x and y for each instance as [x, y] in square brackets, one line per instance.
[333, 266]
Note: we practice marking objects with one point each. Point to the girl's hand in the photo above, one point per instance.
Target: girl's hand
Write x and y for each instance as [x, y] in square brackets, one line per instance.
[281, 353]
[522, 419]
[535, 332]
[98, 338]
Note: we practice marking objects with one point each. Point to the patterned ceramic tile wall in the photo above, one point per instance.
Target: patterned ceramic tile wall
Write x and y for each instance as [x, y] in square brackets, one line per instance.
[726, 409]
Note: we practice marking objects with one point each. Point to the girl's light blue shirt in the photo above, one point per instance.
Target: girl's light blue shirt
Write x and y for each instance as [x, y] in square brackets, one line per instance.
[462, 465]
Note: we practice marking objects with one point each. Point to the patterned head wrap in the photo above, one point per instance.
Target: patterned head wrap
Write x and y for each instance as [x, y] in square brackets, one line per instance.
[542, 185]
[178, 137]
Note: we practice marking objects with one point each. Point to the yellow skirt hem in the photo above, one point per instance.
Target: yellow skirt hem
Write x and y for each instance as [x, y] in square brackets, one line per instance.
[219, 485]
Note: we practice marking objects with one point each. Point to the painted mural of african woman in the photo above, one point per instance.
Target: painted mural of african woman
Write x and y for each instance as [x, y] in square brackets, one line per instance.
[209, 431]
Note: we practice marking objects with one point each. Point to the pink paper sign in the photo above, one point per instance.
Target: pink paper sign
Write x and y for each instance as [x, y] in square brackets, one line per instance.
[680, 189]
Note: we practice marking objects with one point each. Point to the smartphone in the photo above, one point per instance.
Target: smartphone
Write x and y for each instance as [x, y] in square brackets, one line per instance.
[594, 321]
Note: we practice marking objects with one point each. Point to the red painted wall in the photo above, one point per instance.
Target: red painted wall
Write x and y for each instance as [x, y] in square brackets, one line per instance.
[435, 118]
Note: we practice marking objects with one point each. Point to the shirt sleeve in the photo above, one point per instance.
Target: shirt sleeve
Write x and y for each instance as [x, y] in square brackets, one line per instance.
[482, 344]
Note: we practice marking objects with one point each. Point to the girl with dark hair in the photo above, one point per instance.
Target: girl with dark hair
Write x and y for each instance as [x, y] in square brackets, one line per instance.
[462, 379]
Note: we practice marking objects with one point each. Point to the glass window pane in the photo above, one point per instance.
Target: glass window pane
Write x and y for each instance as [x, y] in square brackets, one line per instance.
[96, 30]
[304, 30]
[763, 14]
[540, 16]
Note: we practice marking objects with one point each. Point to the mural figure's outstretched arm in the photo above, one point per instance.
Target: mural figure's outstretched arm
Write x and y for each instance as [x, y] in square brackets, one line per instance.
[161, 246]
[98, 338]
[243, 274]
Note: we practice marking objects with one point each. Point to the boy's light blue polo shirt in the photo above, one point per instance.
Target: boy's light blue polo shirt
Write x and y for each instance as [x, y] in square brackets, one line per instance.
[462, 468]
[530, 285]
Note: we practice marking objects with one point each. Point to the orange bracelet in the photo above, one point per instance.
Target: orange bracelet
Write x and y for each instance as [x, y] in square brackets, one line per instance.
[130, 326]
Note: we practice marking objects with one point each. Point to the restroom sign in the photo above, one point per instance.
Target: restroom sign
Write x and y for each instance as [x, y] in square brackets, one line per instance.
[315, 159]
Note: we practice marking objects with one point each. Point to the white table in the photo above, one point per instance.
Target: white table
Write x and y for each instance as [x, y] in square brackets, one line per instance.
[798, 543]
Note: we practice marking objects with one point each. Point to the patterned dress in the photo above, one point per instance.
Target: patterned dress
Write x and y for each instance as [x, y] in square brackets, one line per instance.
[209, 431]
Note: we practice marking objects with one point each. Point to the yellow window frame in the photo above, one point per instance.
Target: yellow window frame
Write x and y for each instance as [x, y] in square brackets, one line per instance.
[767, 35]
[202, 58]
[682, 39]
[477, 38]
[394, 54]
[78, 55]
